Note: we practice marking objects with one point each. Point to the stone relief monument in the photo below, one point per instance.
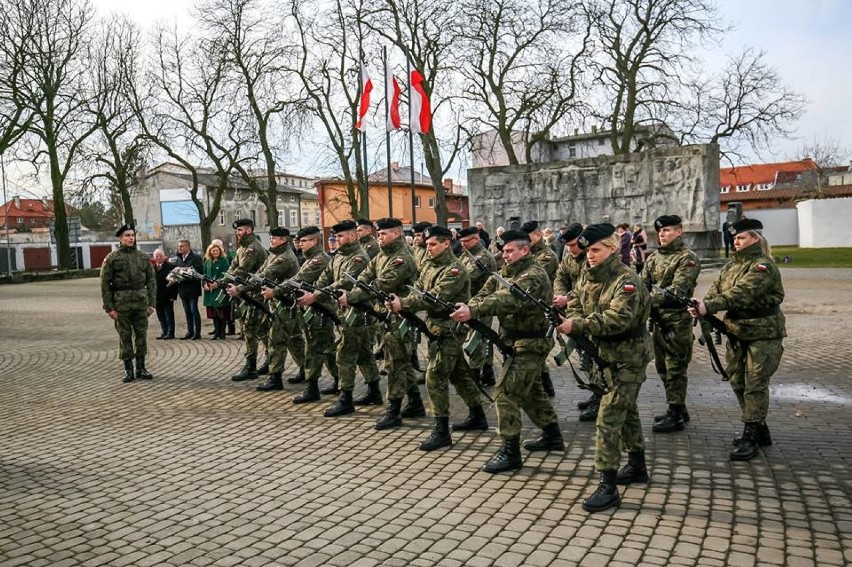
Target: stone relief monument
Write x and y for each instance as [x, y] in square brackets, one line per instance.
[632, 188]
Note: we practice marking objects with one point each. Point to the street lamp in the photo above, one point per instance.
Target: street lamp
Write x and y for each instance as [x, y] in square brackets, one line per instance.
[6, 221]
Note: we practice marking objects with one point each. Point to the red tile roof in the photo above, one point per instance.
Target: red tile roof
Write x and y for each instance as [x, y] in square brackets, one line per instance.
[787, 194]
[30, 208]
[763, 172]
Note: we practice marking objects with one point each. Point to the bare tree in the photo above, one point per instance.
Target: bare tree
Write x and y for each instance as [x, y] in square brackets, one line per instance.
[15, 40]
[826, 151]
[519, 69]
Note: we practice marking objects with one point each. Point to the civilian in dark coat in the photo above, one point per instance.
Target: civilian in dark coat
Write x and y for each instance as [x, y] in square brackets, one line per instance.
[189, 291]
[166, 296]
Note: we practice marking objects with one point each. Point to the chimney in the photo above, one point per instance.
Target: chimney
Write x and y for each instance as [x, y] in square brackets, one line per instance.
[594, 129]
[17, 199]
[394, 166]
[576, 131]
[448, 185]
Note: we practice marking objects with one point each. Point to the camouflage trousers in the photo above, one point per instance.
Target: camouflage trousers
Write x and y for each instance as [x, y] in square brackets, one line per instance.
[447, 365]
[354, 351]
[618, 426]
[751, 366]
[397, 351]
[285, 333]
[484, 352]
[519, 389]
[319, 347]
[672, 353]
[255, 328]
[132, 324]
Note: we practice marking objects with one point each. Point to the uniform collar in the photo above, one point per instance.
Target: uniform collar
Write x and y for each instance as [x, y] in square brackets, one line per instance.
[675, 245]
[519, 266]
[605, 269]
[748, 253]
[350, 248]
[395, 246]
[279, 249]
[445, 257]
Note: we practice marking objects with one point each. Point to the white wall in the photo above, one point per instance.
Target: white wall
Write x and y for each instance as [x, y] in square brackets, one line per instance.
[780, 226]
[824, 223]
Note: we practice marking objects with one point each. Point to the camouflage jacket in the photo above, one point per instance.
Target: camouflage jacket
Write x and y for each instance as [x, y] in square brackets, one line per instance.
[370, 245]
[546, 258]
[445, 277]
[128, 281]
[478, 277]
[569, 272]
[316, 261]
[280, 264]
[249, 258]
[674, 267]
[749, 289]
[521, 322]
[349, 259]
[419, 255]
[390, 271]
[610, 306]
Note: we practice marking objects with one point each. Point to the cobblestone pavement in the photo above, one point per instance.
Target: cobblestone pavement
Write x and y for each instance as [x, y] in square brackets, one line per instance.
[193, 469]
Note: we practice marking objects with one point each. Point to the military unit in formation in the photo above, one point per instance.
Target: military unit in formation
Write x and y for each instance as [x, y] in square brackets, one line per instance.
[334, 309]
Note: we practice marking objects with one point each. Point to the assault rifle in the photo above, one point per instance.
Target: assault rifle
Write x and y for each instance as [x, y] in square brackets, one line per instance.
[475, 324]
[708, 323]
[385, 297]
[239, 280]
[292, 289]
[477, 262]
[336, 294]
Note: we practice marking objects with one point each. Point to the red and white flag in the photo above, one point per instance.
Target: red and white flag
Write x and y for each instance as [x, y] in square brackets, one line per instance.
[392, 93]
[420, 112]
[364, 105]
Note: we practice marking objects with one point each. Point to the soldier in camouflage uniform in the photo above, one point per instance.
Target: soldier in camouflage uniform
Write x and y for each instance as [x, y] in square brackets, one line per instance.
[567, 275]
[419, 251]
[481, 360]
[319, 329]
[391, 271]
[129, 291]
[749, 290]
[355, 348]
[444, 276]
[674, 267]
[610, 306]
[285, 327]
[249, 257]
[546, 258]
[523, 327]
[368, 242]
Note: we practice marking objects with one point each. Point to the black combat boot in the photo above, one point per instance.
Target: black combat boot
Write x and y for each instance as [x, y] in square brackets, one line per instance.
[586, 403]
[671, 421]
[764, 439]
[331, 390]
[141, 372]
[440, 436]
[128, 370]
[392, 417]
[475, 420]
[684, 414]
[488, 375]
[298, 378]
[272, 383]
[373, 397]
[591, 411]
[342, 406]
[507, 458]
[746, 448]
[414, 408]
[249, 371]
[634, 471]
[606, 496]
[549, 440]
[311, 393]
[547, 384]
[264, 368]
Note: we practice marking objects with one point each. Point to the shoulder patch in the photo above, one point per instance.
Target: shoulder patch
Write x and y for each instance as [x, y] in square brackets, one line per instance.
[522, 276]
[359, 260]
[629, 287]
[691, 263]
[762, 267]
[249, 250]
[454, 271]
[398, 261]
[313, 261]
[547, 257]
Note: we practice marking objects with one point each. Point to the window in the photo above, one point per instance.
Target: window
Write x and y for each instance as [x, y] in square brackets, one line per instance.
[572, 151]
[280, 218]
[292, 198]
[431, 202]
[221, 218]
[253, 214]
[20, 220]
[238, 214]
[602, 142]
[306, 218]
[417, 201]
[726, 189]
[294, 219]
[317, 218]
[764, 186]
[743, 188]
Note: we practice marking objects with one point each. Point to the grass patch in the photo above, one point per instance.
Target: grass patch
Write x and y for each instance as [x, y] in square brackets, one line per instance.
[813, 257]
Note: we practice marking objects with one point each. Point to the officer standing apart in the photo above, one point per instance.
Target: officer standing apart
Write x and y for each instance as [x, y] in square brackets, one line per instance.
[609, 305]
[355, 348]
[481, 360]
[319, 328]
[391, 271]
[546, 258]
[285, 328]
[441, 274]
[129, 291]
[749, 290]
[523, 327]
[249, 257]
[674, 267]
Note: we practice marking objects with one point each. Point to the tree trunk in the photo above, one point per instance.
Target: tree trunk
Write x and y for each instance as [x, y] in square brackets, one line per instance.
[432, 155]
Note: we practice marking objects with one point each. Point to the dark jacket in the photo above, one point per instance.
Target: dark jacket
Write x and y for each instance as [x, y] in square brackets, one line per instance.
[190, 288]
[165, 294]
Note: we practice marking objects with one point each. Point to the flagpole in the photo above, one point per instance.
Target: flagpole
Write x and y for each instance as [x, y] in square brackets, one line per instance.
[387, 133]
[411, 145]
[365, 207]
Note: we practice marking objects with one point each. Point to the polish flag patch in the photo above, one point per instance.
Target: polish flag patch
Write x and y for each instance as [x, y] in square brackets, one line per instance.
[762, 267]
[359, 260]
[454, 271]
[691, 263]
[398, 261]
[629, 287]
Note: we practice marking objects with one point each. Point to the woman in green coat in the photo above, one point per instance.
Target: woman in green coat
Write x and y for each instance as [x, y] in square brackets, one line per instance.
[218, 304]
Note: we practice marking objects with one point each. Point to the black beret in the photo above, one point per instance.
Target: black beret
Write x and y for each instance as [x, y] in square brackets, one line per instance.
[386, 223]
[343, 226]
[363, 222]
[571, 232]
[279, 231]
[438, 231]
[469, 231]
[307, 231]
[744, 225]
[420, 226]
[667, 220]
[124, 228]
[595, 233]
[242, 222]
[513, 235]
[528, 227]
